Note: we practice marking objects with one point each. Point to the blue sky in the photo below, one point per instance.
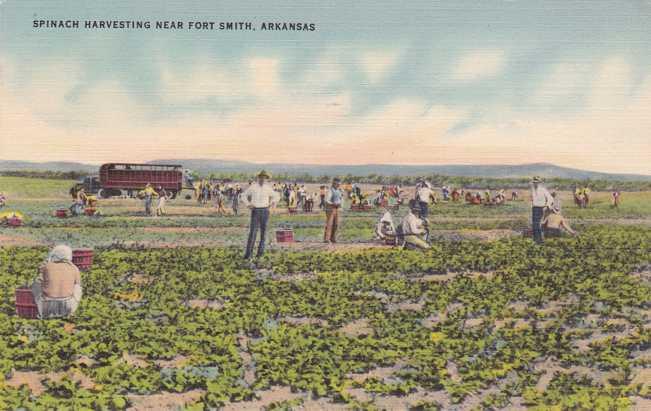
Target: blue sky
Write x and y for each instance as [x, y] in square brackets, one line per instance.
[434, 82]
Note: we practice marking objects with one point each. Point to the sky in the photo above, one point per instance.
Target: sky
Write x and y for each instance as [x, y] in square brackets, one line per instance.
[418, 82]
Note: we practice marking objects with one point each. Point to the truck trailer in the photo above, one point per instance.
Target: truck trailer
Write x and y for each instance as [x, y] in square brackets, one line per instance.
[116, 179]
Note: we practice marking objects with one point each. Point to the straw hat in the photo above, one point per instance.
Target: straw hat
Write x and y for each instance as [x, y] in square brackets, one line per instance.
[263, 174]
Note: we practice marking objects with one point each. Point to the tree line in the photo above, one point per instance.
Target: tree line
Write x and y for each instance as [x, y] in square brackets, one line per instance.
[435, 179]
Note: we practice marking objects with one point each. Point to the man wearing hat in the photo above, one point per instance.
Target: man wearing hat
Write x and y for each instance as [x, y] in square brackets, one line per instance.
[333, 201]
[259, 197]
[413, 228]
[541, 199]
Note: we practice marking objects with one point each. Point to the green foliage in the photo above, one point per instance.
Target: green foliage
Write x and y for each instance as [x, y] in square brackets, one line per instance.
[590, 275]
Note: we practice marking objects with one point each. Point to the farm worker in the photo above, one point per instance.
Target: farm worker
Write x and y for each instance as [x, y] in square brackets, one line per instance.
[616, 198]
[385, 227]
[219, 201]
[541, 199]
[322, 194]
[424, 196]
[487, 196]
[333, 201]
[80, 199]
[3, 200]
[291, 200]
[413, 227]
[162, 199]
[259, 197]
[57, 289]
[555, 223]
[148, 195]
[205, 192]
[500, 197]
[236, 198]
[445, 190]
[514, 195]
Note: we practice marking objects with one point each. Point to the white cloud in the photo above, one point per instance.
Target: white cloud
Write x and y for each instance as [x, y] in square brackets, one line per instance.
[205, 78]
[612, 134]
[564, 81]
[377, 64]
[479, 64]
[325, 71]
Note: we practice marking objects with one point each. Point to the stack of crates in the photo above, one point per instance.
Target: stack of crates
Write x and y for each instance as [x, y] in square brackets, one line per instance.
[82, 258]
[25, 305]
[285, 235]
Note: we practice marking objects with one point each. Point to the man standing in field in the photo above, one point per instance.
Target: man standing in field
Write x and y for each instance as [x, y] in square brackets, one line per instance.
[259, 197]
[424, 195]
[333, 202]
[541, 199]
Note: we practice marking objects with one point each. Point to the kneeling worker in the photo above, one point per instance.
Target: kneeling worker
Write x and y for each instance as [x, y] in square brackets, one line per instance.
[57, 290]
[413, 228]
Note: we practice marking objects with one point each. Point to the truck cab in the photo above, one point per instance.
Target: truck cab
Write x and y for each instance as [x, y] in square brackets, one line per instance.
[90, 184]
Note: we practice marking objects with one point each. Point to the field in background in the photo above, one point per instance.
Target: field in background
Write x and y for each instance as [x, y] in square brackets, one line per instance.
[189, 223]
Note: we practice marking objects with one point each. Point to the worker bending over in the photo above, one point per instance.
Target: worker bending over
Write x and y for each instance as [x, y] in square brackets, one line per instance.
[413, 228]
[385, 228]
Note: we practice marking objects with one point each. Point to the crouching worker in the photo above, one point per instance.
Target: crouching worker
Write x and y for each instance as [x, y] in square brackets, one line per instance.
[413, 228]
[384, 229]
[554, 224]
[57, 290]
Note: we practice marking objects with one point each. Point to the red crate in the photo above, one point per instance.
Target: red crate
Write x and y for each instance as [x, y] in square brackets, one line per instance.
[25, 305]
[14, 222]
[285, 235]
[61, 213]
[82, 258]
[89, 211]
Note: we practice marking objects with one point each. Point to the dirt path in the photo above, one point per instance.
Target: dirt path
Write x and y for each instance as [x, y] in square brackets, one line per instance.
[16, 241]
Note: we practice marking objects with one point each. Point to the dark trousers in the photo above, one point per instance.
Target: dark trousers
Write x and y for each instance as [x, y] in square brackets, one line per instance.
[259, 219]
[424, 211]
[536, 218]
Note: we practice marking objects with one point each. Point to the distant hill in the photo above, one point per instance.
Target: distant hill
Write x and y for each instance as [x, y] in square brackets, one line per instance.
[491, 171]
[63, 166]
[205, 166]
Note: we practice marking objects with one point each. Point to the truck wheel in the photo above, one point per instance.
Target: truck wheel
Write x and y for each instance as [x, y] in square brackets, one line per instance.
[172, 195]
[102, 193]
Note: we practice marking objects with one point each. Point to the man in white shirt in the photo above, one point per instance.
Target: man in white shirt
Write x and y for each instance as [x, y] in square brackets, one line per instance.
[423, 196]
[412, 228]
[333, 202]
[259, 197]
[540, 200]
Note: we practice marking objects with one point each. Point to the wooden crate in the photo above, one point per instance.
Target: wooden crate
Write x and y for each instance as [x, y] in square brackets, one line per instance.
[285, 235]
[82, 258]
[25, 304]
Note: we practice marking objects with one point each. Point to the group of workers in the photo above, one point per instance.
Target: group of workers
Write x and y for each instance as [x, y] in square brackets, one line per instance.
[57, 289]
[149, 195]
[220, 194]
[83, 203]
